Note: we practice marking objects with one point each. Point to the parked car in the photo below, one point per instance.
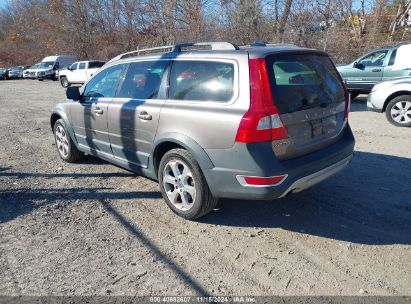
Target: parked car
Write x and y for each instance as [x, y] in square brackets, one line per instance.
[79, 72]
[379, 65]
[30, 72]
[210, 124]
[64, 67]
[394, 98]
[4, 73]
[49, 65]
[17, 72]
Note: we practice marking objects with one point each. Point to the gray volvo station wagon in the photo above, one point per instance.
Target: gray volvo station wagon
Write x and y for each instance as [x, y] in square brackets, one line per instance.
[212, 120]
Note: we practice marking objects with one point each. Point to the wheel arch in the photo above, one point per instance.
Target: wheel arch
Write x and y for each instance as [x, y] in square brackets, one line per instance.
[394, 95]
[171, 141]
[56, 115]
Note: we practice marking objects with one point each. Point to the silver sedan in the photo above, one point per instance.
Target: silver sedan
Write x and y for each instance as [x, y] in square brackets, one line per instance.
[394, 98]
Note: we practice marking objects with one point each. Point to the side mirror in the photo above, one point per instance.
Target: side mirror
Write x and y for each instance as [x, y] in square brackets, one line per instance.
[358, 65]
[73, 93]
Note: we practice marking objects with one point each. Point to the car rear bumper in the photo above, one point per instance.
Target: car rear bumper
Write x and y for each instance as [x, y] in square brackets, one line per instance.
[259, 160]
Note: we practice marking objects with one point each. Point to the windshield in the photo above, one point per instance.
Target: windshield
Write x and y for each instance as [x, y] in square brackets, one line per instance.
[303, 81]
[46, 65]
[2, 70]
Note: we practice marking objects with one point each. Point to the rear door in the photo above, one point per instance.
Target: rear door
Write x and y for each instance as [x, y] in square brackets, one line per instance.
[89, 116]
[134, 114]
[310, 97]
[81, 75]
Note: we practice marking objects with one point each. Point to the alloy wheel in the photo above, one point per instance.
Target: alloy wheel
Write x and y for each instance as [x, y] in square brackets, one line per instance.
[179, 184]
[62, 141]
[401, 112]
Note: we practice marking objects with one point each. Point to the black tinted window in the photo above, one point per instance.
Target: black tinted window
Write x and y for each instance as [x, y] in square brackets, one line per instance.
[303, 81]
[104, 84]
[392, 58]
[201, 80]
[143, 80]
[95, 64]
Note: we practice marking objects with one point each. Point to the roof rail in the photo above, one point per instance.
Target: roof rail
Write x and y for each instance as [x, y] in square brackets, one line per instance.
[179, 48]
[260, 43]
[215, 46]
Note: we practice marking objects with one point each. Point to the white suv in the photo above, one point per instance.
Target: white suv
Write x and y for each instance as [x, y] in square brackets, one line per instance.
[79, 72]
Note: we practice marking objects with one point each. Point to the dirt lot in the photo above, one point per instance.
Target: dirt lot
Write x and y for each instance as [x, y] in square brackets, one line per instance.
[92, 228]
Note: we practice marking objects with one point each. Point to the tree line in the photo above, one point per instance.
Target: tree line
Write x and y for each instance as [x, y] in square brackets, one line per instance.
[101, 29]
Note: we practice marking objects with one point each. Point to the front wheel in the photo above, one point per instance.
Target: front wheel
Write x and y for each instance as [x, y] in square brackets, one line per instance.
[64, 82]
[65, 145]
[398, 111]
[184, 186]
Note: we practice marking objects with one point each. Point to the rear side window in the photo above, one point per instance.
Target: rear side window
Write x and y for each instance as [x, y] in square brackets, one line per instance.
[303, 81]
[143, 80]
[95, 64]
[392, 58]
[201, 81]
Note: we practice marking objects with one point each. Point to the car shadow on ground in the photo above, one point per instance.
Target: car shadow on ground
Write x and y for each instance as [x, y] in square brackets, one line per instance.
[367, 203]
[359, 104]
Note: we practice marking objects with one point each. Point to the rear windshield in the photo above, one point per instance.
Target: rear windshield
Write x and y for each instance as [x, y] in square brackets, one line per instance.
[303, 81]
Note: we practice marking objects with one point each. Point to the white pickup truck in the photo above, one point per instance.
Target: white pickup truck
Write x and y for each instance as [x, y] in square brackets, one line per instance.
[79, 72]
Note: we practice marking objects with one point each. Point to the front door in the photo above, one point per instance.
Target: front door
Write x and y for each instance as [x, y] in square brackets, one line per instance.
[368, 71]
[134, 114]
[89, 116]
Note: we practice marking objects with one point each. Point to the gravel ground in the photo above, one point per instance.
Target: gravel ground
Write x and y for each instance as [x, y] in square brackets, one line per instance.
[95, 229]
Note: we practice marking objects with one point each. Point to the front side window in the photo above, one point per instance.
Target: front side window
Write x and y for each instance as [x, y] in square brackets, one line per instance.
[74, 66]
[143, 80]
[375, 59]
[202, 81]
[82, 66]
[104, 84]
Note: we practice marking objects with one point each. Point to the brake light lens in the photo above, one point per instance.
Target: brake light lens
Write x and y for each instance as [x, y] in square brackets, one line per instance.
[262, 121]
[256, 181]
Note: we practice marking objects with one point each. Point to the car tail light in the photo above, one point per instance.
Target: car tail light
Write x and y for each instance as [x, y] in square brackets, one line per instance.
[347, 104]
[262, 121]
[256, 181]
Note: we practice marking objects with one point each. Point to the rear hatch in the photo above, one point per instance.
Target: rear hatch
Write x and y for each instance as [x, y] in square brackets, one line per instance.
[311, 101]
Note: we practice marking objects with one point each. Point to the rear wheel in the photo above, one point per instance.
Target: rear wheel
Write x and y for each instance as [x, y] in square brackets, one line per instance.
[398, 111]
[65, 146]
[64, 82]
[183, 185]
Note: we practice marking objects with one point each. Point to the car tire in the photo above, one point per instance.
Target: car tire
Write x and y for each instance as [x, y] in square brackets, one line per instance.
[40, 79]
[64, 144]
[183, 185]
[64, 82]
[398, 111]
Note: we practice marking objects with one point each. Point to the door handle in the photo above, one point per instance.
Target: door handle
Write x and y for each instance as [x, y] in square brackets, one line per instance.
[376, 70]
[145, 116]
[98, 111]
